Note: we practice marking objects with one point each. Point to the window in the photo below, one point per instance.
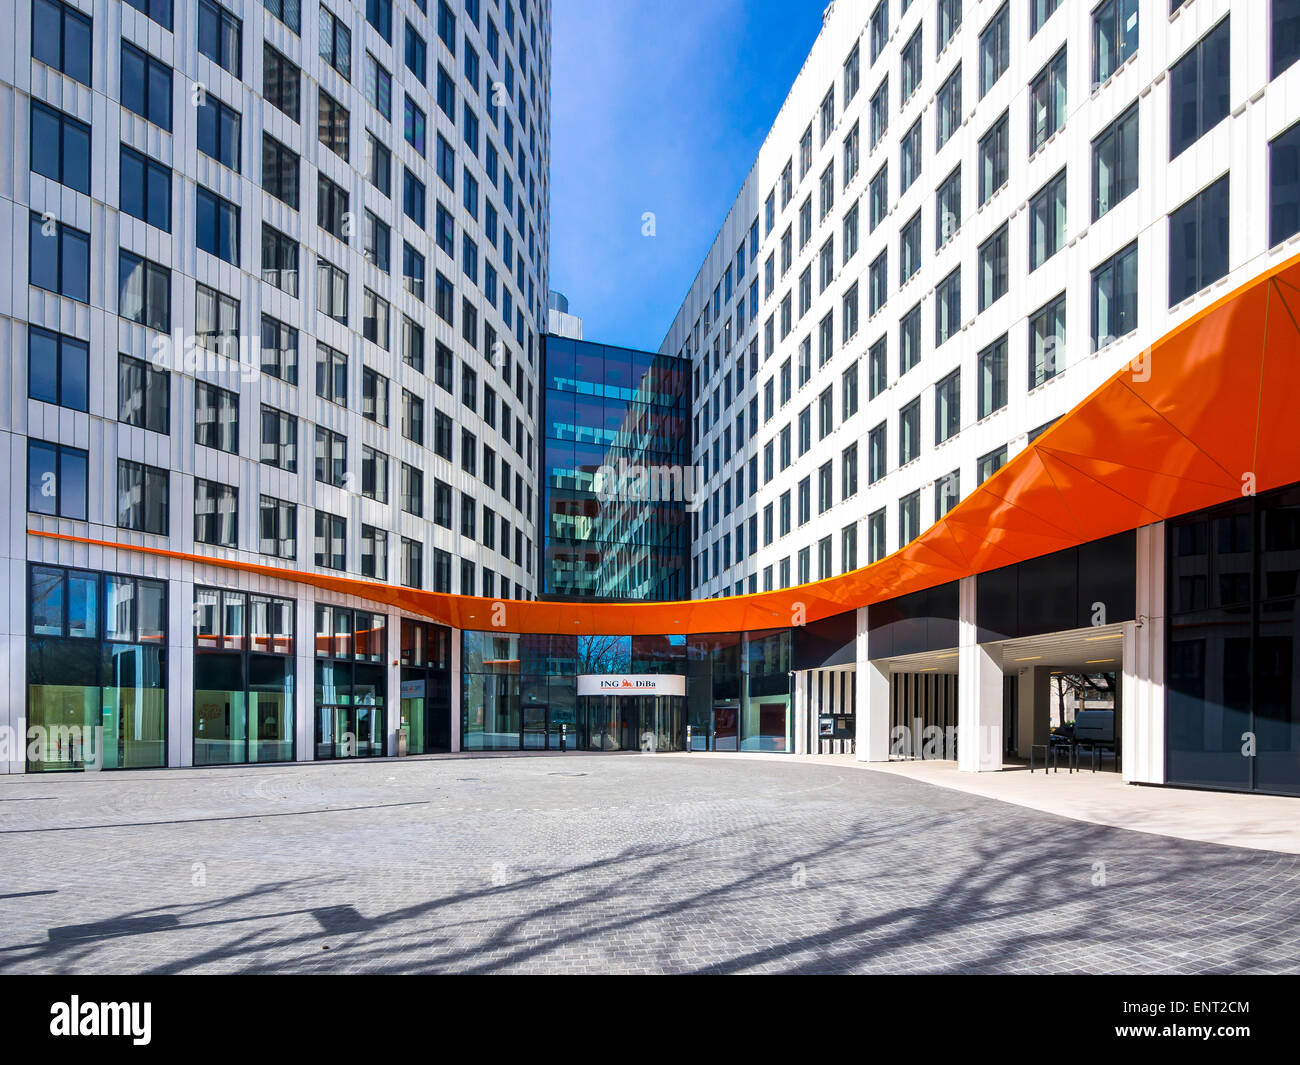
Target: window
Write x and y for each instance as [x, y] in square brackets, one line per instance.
[287, 11]
[947, 491]
[993, 159]
[143, 395]
[141, 497]
[909, 340]
[220, 36]
[57, 480]
[279, 439]
[376, 242]
[909, 517]
[825, 413]
[1284, 185]
[850, 232]
[880, 112]
[1047, 341]
[216, 418]
[1198, 90]
[1114, 36]
[1039, 12]
[995, 48]
[848, 548]
[1198, 241]
[1115, 162]
[378, 87]
[374, 396]
[910, 65]
[412, 565]
[851, 154]
[826, 197]
[331, 207]
[335, 46]
[876, 535]
[949, 21]
[1285, 40]
[413, 125]
[58, 258]
[850, 323]
[281, 81]
[216, 513]
[332, 123]
[991, 378]
[909, 248]
[1047, 99]
[1114, 297]
[849, 392]
[443, 298]
[144, 292]
[277, 529]
[216, 226]
[947, 407]
[1047, 221]
[947, 307]
[909, 157]
[411, 486]
[993, 268]
[877, 368]
[331, 466]
[878, 198]
[987, 465]
[145, 189]
[60, 147]
[146, 86]
[851, 75]
[879, 29]
[446, 163]
[878, 283]
[374, 553]
[374, 474]
[948, 112]
[280, 171]
[61, 38]
[379, 13]
[330, 543]
[57, 368]
[279, 350]
[909, 432]
[216, 321]
[805, 152]
[947, 208]
[827, 112]
[331, 374]
[331, 290]
[412, 417]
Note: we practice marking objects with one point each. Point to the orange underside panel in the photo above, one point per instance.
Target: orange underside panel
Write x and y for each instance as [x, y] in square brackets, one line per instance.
[1206, 415]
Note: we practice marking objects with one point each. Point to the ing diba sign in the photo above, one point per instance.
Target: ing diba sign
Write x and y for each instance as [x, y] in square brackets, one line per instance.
[631, 684]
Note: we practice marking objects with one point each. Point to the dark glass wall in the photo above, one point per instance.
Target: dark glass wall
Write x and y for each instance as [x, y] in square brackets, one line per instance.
[609, 410]
[1231, 686]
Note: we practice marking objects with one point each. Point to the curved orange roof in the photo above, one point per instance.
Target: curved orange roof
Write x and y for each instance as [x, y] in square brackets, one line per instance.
[1207, 418]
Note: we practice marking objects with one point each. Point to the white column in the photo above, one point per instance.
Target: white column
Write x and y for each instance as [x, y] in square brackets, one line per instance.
[180, 667]
[979, 693]
[13, 668]
[304, 694]
[1142, 691]
[393, 668]
[456, 691]
[872, 708]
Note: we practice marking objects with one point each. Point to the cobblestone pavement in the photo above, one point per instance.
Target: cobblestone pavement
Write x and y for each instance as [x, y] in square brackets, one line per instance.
[625, 863]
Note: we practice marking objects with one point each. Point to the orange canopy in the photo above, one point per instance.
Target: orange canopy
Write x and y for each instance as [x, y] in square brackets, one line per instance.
[1203, 418]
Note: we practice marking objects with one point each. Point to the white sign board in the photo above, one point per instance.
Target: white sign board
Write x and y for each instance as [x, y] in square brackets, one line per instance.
[631, 684]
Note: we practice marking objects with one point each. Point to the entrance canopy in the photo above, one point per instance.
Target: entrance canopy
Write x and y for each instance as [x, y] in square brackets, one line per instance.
[1201, 417]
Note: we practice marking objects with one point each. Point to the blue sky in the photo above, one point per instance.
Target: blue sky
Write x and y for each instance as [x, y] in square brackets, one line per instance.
[660, 106]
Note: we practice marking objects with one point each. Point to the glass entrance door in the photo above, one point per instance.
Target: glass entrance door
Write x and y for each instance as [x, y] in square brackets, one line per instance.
[725, 726]
[535, 727]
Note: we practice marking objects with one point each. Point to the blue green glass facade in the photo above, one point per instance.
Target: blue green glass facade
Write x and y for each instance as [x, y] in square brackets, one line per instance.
[616, 472]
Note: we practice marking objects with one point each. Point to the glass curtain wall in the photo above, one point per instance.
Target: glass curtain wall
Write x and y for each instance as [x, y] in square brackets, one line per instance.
[96, 670]
[616, 472]
[426, 686]
[1233, 598]
[243, 678]
[738, 691]
[351, 683]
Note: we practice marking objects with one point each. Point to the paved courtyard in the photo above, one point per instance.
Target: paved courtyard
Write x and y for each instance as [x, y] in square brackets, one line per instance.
[606, 863]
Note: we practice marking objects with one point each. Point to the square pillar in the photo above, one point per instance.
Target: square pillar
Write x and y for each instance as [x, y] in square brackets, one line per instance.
[304, 693]
[872, 709]
[393, 669]
[1142, 687]
[979, 692]
[455, 694]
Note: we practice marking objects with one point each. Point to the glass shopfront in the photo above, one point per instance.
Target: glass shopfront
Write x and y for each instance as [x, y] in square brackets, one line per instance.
[426, 686]
[738, 687]
[1233, 605]
[96, 671]
[351, 683]
[243, 678]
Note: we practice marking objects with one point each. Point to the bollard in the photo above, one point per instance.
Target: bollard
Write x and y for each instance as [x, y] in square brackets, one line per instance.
[688, 737]
[564, 736]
